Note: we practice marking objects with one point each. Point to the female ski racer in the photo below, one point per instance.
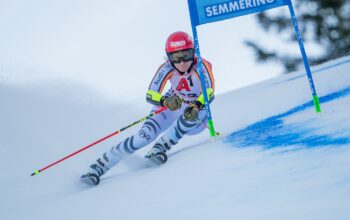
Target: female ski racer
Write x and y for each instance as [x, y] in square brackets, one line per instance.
[185, 113]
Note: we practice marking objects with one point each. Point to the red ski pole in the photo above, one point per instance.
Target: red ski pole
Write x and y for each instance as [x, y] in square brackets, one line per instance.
[98, 141]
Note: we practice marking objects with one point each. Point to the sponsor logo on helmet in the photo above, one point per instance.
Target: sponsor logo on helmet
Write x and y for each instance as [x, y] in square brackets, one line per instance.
[177, 43]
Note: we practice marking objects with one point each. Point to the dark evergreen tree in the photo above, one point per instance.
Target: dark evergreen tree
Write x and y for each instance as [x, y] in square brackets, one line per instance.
[324, 22]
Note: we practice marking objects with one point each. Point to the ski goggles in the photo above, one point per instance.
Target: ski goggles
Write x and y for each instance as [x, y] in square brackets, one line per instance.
[183, 55]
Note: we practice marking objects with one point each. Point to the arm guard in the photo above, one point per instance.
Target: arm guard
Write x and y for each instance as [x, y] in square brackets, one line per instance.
[155, 98]
[210, 93]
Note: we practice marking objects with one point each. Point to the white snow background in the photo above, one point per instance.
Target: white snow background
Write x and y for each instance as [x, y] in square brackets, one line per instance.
[275, 159]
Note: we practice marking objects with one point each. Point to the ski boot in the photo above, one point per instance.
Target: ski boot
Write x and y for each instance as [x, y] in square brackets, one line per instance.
[92, 177]
[158, 152]
[157, 158]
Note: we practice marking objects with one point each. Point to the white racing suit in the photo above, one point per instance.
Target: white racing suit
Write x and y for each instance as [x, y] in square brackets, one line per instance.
[172, 123]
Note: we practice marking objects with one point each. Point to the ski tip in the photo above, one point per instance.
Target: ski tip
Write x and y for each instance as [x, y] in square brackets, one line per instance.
[35, 173]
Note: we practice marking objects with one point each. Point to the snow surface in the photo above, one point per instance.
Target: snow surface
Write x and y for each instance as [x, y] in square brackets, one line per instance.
[275, 159]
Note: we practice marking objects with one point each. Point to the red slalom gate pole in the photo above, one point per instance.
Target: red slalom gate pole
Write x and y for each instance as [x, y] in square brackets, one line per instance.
[100, 140]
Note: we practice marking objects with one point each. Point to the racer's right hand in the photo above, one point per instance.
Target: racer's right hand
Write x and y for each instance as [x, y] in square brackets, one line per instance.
[173, 102]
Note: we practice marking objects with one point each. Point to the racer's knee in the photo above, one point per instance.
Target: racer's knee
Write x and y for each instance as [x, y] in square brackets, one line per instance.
[146, 135]
[196, 130]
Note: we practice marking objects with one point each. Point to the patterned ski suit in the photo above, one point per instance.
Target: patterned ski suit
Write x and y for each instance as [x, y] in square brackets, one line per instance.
[188, 87]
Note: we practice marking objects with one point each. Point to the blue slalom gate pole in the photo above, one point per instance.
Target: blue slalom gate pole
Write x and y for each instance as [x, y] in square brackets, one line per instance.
[207, 11]
[194, 21]
[204, 87]
[305, 60]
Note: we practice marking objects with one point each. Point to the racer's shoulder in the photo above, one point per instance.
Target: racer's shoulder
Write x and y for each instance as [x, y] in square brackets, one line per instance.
[205, 62]
[166, 66]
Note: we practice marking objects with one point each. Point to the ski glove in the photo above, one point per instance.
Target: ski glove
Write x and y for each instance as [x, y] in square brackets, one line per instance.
[173, 102]
[191, 113]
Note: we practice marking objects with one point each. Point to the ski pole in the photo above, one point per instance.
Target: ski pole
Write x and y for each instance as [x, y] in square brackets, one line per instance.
[206, 125]
[100, 140]
[216, 132]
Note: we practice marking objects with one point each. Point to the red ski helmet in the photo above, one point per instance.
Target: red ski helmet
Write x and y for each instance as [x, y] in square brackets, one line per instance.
[178, 41]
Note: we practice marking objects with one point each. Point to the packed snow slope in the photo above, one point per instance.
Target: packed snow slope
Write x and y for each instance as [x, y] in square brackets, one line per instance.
[275, 159]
